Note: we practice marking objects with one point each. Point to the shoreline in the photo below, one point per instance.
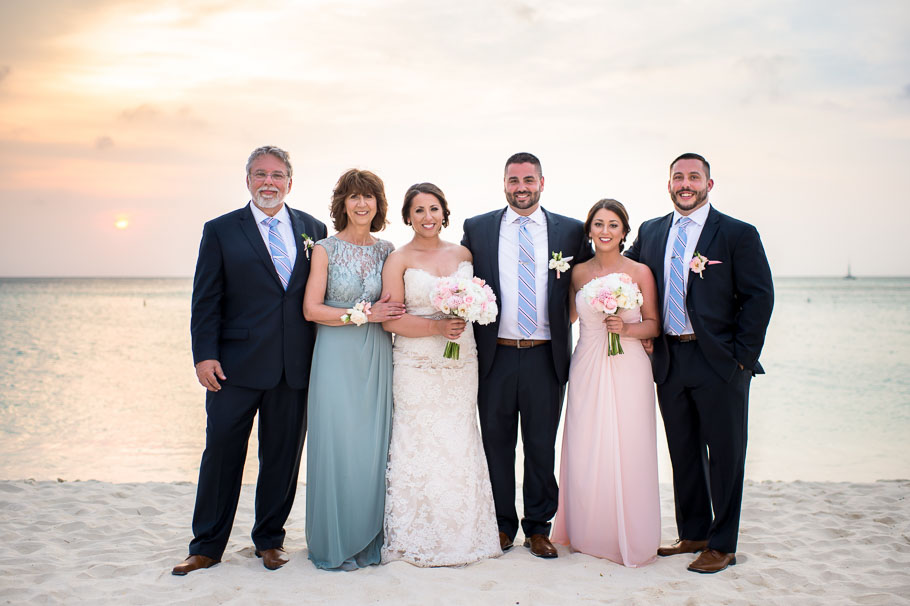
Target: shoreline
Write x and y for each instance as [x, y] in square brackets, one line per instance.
[99, 542]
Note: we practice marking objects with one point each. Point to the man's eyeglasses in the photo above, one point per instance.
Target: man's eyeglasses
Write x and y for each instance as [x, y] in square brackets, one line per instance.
[277, 177]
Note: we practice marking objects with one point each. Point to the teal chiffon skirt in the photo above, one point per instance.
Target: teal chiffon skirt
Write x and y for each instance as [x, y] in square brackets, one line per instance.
[349, 411]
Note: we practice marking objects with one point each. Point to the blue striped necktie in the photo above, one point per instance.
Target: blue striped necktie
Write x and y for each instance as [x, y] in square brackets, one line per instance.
[278, 251]
[676, 318]
[527, 280]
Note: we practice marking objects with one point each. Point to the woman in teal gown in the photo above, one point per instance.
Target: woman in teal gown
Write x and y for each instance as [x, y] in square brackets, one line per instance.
[350, 394]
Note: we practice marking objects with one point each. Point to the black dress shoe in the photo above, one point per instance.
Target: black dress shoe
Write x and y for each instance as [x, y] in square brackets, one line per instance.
[193, 562]
[541, 546]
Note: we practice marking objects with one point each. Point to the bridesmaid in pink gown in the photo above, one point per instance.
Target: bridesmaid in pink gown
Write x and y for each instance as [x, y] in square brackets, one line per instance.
[609, 505]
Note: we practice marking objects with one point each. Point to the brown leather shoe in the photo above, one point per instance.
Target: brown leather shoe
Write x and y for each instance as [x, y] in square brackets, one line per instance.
[271, 558]
[193, 562]
[711, 561]
[505, 543]
[541, 546]
[682, 546]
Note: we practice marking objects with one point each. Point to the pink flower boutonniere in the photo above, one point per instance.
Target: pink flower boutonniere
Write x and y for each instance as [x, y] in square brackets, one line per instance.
[307, 245]
[700, 262]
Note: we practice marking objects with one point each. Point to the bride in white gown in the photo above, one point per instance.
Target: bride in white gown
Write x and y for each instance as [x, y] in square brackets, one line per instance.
[439, 504]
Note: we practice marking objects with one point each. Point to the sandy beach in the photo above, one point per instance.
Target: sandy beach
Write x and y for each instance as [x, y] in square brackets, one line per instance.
[101, 543]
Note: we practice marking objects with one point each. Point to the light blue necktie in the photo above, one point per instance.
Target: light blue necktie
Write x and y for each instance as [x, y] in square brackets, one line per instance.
[527, 281]
[278, 251]
[676, 318]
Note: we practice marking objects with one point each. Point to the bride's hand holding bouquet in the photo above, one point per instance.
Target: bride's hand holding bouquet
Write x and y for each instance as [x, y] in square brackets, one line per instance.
[472, 300]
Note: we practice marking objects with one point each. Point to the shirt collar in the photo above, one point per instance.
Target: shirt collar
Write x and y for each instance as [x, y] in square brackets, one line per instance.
[536, 217]
[698, 217]
[282, 215]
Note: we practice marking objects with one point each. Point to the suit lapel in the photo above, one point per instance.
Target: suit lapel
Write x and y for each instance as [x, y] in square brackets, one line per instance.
[298, 229]
[251, 231]
[659, 251]
[707, 235]
[492, 236]
[552, 239]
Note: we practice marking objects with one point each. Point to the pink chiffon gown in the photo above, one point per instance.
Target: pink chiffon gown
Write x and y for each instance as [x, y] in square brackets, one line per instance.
[609, 505]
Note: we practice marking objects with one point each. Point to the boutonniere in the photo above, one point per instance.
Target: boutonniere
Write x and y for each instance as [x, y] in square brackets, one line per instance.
[700, 262]
[307, 245]
[358, 314]
[559, 263]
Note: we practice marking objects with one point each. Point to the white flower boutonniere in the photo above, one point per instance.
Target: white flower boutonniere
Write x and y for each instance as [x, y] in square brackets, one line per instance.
[559, 263]
[307, 245]
[700, 262]
[358, 314]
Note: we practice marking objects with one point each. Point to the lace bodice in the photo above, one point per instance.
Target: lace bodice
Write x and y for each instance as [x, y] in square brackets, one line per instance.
[425, 351]
[355, 272]
[419, 284]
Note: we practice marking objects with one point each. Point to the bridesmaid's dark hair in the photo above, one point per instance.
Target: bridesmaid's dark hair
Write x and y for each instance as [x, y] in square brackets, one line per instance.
[425, 188]
[361, 182]
[616, 207]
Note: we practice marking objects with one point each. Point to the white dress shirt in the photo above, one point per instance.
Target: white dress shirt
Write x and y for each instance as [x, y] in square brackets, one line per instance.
[508, 274]
[693, 232]
[284, 228]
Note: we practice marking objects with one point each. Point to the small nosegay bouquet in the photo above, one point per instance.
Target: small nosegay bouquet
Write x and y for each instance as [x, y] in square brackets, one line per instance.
[358, 314]
[471, 300]
[609, 294]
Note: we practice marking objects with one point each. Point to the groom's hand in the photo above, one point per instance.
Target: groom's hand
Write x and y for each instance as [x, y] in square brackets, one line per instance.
[648, 346]
[208, 372]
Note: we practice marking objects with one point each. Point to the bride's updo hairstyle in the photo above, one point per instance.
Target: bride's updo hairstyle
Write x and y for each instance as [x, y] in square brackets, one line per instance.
[613, 206]
[424, 188]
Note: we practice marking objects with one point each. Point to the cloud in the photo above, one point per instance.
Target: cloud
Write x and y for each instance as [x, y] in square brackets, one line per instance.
[4, 72]
[907, 90]
[766, 75]
[103, 143]
[141, 113]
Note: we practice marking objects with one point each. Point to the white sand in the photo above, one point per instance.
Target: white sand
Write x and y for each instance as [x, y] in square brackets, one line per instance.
[100, 543]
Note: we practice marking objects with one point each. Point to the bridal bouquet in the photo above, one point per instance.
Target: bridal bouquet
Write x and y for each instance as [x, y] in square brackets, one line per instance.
[469, 299]
[609, 294]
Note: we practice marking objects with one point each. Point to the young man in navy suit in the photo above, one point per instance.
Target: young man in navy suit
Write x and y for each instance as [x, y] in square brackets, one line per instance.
[716, 294]
[252, 349]
[524, 355]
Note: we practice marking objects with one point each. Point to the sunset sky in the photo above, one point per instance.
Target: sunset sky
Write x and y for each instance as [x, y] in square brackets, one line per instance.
[125, 125]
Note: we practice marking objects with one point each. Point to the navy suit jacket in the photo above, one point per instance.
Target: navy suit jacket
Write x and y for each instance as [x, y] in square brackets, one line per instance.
[481, 237]
[241, 316]
[729, 306]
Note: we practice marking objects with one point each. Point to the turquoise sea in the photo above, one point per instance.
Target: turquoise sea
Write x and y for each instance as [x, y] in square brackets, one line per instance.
[97, 382]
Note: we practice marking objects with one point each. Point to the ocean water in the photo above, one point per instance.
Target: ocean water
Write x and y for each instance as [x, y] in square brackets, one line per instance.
[97, 382]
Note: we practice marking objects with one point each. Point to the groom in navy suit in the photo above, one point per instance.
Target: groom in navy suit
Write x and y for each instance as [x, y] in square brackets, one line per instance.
[524, 355]
[252, 349]
[716, 294]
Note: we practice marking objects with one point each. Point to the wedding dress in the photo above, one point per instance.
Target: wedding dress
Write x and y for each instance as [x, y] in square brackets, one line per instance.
[439, 504]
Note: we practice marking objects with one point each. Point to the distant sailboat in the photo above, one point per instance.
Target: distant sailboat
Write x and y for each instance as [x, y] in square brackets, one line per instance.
[849, 275]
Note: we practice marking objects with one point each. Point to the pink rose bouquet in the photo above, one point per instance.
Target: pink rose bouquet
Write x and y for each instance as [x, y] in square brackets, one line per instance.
[610, 293]
[469, 299]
